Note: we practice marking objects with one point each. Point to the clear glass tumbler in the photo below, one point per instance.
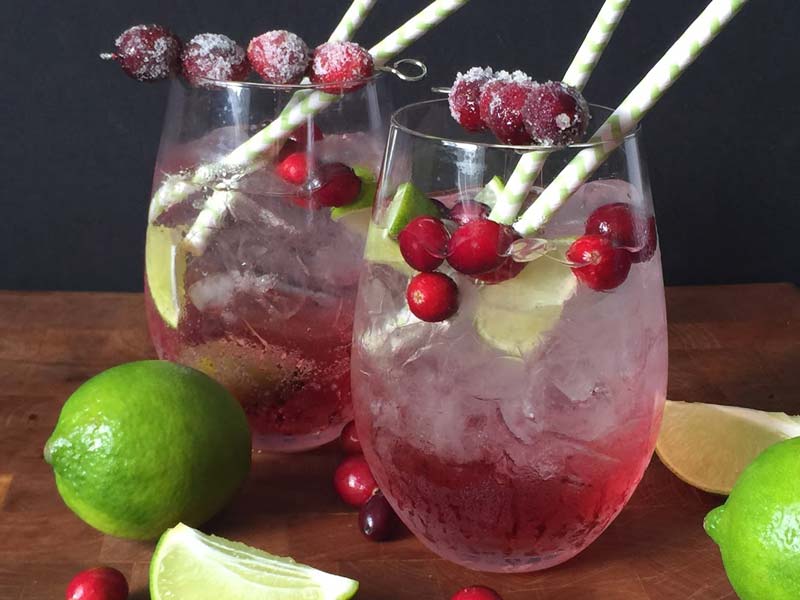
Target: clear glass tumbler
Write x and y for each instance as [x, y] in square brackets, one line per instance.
[265, 305]
[508, 436]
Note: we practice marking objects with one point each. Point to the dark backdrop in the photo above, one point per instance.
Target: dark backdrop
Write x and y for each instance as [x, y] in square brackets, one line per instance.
[79, 138]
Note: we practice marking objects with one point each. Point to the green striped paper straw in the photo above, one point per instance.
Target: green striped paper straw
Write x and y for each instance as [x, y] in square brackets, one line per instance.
[625, 118]
[530, 165]
[211, 217]
[351, 20]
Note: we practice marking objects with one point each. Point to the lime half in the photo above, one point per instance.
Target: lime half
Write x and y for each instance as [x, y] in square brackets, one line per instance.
[408, 203]
[514, 316]
[380, 248]
[165, 266]
[708, 445]
[190, 564]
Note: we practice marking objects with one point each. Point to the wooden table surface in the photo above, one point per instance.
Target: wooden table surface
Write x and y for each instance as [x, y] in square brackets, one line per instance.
[731, 345]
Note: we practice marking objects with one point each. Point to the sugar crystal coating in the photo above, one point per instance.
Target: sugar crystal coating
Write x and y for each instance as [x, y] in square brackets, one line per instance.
[214, 56]
[148, 52]
[279, 57]
[501, 105]
[339, 63]
[556, 114]
[464, 97]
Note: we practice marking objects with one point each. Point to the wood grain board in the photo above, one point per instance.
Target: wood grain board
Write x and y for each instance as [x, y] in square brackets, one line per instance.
[735, 345]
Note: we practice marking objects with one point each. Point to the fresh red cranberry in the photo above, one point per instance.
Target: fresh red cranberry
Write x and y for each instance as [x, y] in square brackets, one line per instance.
[423, 243]
[341, 66]
[338, 185]
[349, 440]
[601, 265]
[468, 210]
[147, 52]
[555, 114]
[279, 56]
[465, 95]
[377, 519]
[432, 297]
[293, 168]
[508, 269]
[476, 592]
[501, 108]
[627, 227]
[354, 481]
[479, 246]
[100, 583]
[214, 56]
[298, 140]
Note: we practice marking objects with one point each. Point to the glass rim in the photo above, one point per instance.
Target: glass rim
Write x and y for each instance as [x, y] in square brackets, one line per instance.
[451, 141]
[207, 83]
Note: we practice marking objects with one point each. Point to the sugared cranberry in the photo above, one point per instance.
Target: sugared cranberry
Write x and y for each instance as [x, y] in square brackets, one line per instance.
[465, 95]
[338, 185]
[627, 227]
[468, 210]
[501, 107]
[214, 56]
[293, 168]
[479, 246]
[432, 297]
[508, 269]
[278, 56]
[349, 439]
[377, 519]
[476, 592]
[147, 52]
[423, 243]
[555, 114]
[100, 583]
[298, 140]
[341, 65]
[354, 481]
[600, 264]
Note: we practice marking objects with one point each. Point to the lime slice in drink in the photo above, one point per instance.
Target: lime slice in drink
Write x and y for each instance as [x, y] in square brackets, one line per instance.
[190, 564]
[708, 446]
[513, 316]
[365, 197]
[408, 203]
[491, 192]
[165, 266]
[380, 248]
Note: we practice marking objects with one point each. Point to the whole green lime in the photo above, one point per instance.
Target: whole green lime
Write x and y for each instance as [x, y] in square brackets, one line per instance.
[758, 527]
[145, 445]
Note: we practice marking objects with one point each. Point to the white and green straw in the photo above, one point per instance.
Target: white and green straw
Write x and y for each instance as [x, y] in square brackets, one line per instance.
[352, 20]
[215, 208]
[530, 164]
[625, 118]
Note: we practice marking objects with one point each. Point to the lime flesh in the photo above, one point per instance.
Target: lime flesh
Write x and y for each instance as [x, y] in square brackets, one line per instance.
[408, 203]
[165, 266]
[189, 564]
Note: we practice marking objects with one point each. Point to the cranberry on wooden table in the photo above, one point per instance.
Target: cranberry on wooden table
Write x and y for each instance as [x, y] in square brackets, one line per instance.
[377, 519]
[354, 482]
[476, 592]
[99, 583]
[349, 440]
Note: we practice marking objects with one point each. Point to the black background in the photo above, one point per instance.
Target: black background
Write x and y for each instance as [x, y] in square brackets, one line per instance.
[79, 138]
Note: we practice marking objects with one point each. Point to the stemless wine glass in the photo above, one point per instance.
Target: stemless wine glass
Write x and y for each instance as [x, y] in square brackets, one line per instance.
[508, 436]
[265, 304]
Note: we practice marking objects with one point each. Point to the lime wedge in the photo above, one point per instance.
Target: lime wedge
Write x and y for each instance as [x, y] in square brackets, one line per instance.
[189, 564]
[514, 316]
[708, 445]
[365, 197]
[407, 204]
[165, 266]
[380, 248]
[491, 192]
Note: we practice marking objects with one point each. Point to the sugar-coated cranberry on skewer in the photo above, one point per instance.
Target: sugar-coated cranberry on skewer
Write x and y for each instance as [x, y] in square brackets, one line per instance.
[340, 66]
[213, 56]
[423, 243]
[147, 52]
[555, 114]
[476, 592]
[501, 105]
[377, 519]
[349, 439]
[479, 246]
[279, 57]
[465, 95]
[99, 583]
[599, 264]
[627, 227]
[432, 297]
[353, 481]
